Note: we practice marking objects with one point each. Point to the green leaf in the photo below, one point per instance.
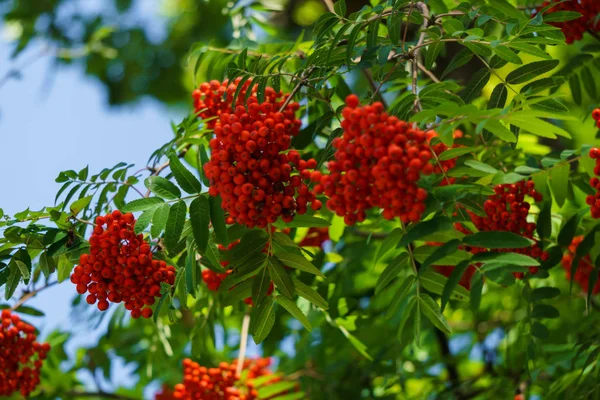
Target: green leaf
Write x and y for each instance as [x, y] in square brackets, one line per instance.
[475, 85]
[142, 204]
[561, 16]
[531, 71]
[388, 243]
[13, 280]
[217, 217]
[589, 83]
[24, 270]
[309, 294]
[476, 289]
[407, 312]
[567, 232]
[433, 312]
[391, 271]
[298, 262]
[433, 51]
[30, 311]
[436, 283]
[540, 331]
[498, 97]
[544, 293]
[461, 58]
[305, 221]
[425, 228]
[575, 86]
[263, 319]
[251, 243]
[500, 130]
[260, 287]
[456, 152]
[497, 240]
[143, 221]
[481, 166]
[47, 264]
[186, 180]
[503, 258]
[280, 277]
[544, 311]
[237, 293]
[78, 205]
[163, 188]
[442, 251]
[284, 390]
[175, 223]
[159, 219]
[544, 221]
[293, 309]
[199, 220]
[251, 267]
[452, 25]
[507, 54]
[559, 183]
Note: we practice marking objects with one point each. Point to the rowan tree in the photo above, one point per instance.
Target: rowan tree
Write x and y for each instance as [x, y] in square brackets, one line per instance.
[400, 202]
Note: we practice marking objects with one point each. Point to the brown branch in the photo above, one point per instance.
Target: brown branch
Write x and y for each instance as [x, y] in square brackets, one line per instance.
[428, 72]
[243, 343]
[415, 69]
[301, 82]
[29, 294]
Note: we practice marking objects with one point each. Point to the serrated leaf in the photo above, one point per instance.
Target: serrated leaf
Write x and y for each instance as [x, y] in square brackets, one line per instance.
[589, 83]
[531, 71]
[163, 188]
[500, 130]
[507, 54]
[391, 271]
[174, 226]
[260, 286]
[47, 264]
[389, 242]
[217, 216]
[306, 221]
[237, 293]
[263, 319]
[497, 240]
[293, 309]
[143, 221]
[159, 219]
[456, 152]
[436, 283]
[14, 277]
[476, 289]
[433, 312]
[199, 220]
[559, 183]
[442, 251]
[251, 267]
[567, 232]
[280, 277]
[186, 180]
[298, 262]
[575, 86]
[142, 204]
[425, 228]
[78, 205]
[498, 97]
[461, 58]
[478, 165]
[475, 85]
[309, 294]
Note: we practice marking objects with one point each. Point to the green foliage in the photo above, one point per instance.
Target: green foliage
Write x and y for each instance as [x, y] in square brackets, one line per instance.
[370, 314]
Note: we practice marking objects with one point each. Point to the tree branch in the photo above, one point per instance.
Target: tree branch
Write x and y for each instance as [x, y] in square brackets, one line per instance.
[243, 344]
[29, 294]
[415, 61]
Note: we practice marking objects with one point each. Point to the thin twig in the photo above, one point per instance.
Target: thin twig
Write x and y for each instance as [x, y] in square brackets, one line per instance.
[415, 61]
[428, 72]
[28, 295]
[301, 82]
[329, 5]
[243, 344]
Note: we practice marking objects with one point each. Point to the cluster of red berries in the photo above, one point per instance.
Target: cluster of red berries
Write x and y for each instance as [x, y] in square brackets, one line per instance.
[249, 167]
[315, 237]
[506, 210]
[574, 30]
[19, 366]
[120, 267]
[585, 268]
[214, 279]
[593, 200]
[221, 383]
[378, 161]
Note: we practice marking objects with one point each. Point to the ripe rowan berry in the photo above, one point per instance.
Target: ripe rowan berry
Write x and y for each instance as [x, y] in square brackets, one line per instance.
[584, 269]
[315, 237]
[593, 200]
[222, 383]
[250, 165]
[120, 267]
[21, 356]
[574, 30]
[378, 161]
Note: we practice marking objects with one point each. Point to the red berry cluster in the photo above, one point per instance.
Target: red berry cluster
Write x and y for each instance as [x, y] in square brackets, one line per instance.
[507, 210]
[593, 200]
[574, 30]
[315, 237]
[214, 279]
[19, 366]
[249, 167]
[120, 267]
[378, 161]
[585, 268]
[221, 383]
[213, 98]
